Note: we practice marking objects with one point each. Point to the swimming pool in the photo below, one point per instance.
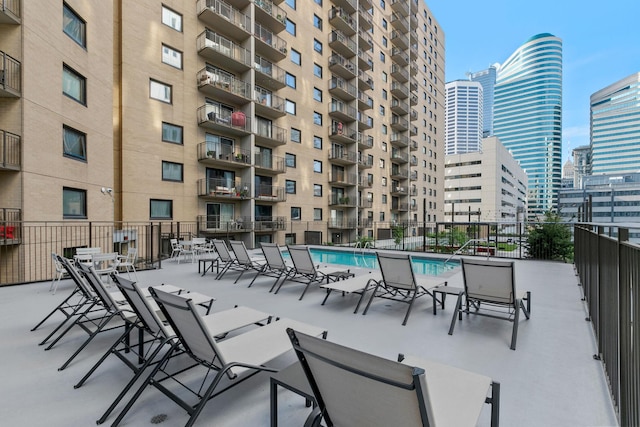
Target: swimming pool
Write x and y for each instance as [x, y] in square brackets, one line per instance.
[421, 265]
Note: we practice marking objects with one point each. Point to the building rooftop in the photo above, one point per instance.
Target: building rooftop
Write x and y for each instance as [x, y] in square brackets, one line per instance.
[551, 379]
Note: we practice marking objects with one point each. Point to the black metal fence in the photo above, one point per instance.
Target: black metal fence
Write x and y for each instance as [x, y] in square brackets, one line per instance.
[608, 264]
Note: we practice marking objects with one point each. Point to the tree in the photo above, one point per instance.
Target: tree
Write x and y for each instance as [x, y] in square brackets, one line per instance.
[550, 239]
[397, 231]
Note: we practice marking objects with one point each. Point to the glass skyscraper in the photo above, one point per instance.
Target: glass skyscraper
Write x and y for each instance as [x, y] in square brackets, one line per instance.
[487, 78]
[615, 127]
[528, 116]
[463, 118]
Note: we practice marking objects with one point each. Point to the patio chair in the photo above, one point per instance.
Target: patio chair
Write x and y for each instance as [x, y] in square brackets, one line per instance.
[399, 282]
[128, 262]
[354, 388]
[490, 288]
[244, 259]
[275, 264]
[105, 264]
[175, 249]
[159, 334]
[229, 262]
[237, 358]
[305, 272]
[59, 273]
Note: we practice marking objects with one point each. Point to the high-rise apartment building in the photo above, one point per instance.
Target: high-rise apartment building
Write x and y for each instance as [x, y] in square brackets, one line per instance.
[615, 128]
[487, 78]
[528, 116]
[464, 117]
[256, 120]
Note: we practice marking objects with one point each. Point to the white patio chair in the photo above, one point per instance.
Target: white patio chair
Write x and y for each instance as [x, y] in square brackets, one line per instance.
[128, 262]
[275, 264]
[59, 273]
[244, 260]
[105, 264]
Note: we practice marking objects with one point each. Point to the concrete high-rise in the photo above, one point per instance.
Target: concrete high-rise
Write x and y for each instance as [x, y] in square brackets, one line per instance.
[615, 128]
[528, 116]
[487, 78]
[463, 117]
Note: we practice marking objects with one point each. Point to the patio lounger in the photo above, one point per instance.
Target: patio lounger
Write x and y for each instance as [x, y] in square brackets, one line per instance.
[357, 285]
[490, 288]
[229, 262]
[305, 272]
[399, 282]
[275, 264]
[236, 359]
[354, 388]
[147, 321]
[245, 262]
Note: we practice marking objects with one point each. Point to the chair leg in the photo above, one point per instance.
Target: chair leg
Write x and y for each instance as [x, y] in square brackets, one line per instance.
[495, 404]
[527, 310]
[516, 319]
[370, 299]
[406, 317]
[103, 323]
[456, 312]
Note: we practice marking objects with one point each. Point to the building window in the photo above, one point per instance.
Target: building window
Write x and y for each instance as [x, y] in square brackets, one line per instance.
[74, 26]
[317, 21]
[74, 85]
[290, 160]
[384, 146]
[382, 57]
[160, 209]
[317, 190]
[172, 171]
[317, 166]
[384, 41]
[172, 133]
[317, 46]
[160, 91]
[319, 2]
[296, 57]
[384, 76]
[381, 216]
[382, 110]
[317, 70]
[384, 129]
[74, 203]
[317, 142]
[171, 18]
[384, 23]
[74, 143]
[382, 4]
[290, 80]
[291, 4]
[384, 181]
[317, 118]
[384, 94]
[290, 239]
[317, 94]
[296, 135]
[381, 163]
[296, 213]
[384, 199]
[290, 107]
[290, 186]
[171, 57]
[290, 26]
[317, 214]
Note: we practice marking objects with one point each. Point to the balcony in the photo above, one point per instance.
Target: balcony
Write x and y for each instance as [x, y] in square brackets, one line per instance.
[342, 89]
[365, 20]
[349, 6]
[365, 142]
[268, 75]
[413, 146]
[10, 150]
[399, 90]
[399, 123]
[365, 181]
[268, 164]
[270, 193]
[268, 105]
[365, 40]
[365, 102]
[401, 7]
[10, 76]
[342, 21]
[223, 87]
[413, 69]
[342, 44]
[365, 122]
[399, 140]
[399, 73]
[231, 123]
[399, 40]
[342, 179]
[270, 16]
[413, 101]
[343, 157]
[400, 23]
[413, 176]
[270, 135]
[212, 46]
[398, 156]
[338, 131]
[223, 156]
[365, 203]
[413, 116]
[217, 188]
[365, 82]
[10, 227]
[365, 61]
[217, 224]
[10, 12]
[269, 45]
[342, 67]
[413, 207]
[399, 191]
[399, 173]
[413, 131]
[365, 162]
[341, 111]
[340, 200]
[399, 107]
[399, 56]
[342, 223]
[226, 19]
[269, 224]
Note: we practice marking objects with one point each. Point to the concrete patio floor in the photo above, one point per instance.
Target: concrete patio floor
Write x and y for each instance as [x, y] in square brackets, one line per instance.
[550, 380]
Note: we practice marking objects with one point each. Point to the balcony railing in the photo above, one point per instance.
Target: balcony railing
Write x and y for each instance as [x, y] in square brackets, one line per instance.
[343, 156]
[341, 132]
[215, 82]
[224, 188]
[270, 193]
[10, 229]
[211, 44]
[271, 15]
[342, 111]
[340, 19]
[399, 140]
[9, 150]
[270, 224]
[223, 17]
[341, 66]
[215, 152]
[276, 47]
[9, 11]
[342, 88]
[268, 103]
[269, 162]
[237, 123]
[269, 74]
[365, 141]
[271, 135]
[341, 200]
[10, 76]
[342, 44]
[343, 178]
[399, 90]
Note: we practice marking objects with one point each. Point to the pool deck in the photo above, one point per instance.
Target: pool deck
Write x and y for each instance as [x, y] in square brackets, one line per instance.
[550, 380]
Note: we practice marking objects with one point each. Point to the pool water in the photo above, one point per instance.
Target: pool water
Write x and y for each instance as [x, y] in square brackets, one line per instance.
[430, 266]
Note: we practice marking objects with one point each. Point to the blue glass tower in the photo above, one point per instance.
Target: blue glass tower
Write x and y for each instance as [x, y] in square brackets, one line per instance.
[487, 78]
[528, 116]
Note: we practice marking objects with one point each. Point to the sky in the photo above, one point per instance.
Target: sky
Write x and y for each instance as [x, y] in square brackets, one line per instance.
[601, 45]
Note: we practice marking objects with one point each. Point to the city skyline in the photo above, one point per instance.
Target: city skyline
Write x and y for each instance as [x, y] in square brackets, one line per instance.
[596, 44]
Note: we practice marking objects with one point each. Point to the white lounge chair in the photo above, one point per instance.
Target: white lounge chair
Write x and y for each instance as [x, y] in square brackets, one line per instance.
[244, 260]
[357, 285]
[275, 264]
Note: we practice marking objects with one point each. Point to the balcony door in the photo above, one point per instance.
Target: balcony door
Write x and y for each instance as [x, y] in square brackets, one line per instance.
[219, 215]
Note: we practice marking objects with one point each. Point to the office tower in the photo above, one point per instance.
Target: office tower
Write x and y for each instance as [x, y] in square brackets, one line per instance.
[487, 78]
[463, 118]
[615, 127]
[528, 116]
[581, 164]
[289, 121]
